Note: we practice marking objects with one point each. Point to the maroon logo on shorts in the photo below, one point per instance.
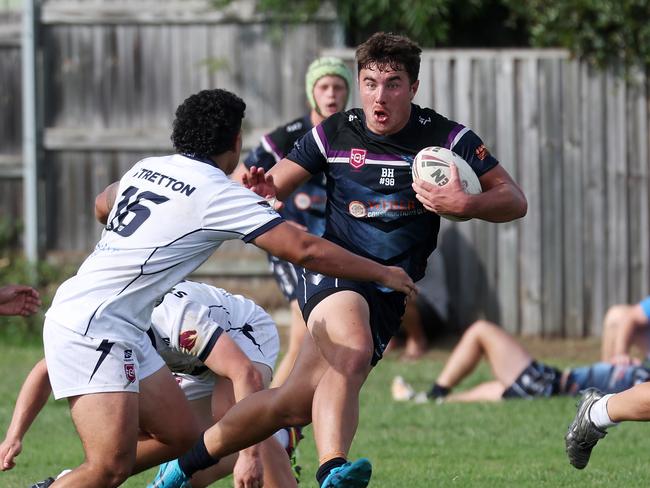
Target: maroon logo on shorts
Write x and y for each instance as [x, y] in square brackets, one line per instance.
[357, 157]
[129, 371]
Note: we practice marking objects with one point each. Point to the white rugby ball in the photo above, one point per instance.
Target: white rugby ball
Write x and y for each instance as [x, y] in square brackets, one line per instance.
[432, 164]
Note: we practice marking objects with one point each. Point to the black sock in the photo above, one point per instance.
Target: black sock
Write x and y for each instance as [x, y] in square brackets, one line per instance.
[196, 459]
[328, 466]
[438, 391]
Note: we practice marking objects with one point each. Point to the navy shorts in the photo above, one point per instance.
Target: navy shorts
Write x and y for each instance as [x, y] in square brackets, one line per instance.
[286, 276]
[537, 380]
[386, 308]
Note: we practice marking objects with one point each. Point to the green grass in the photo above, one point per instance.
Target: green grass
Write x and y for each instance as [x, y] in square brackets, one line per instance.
[516, 443]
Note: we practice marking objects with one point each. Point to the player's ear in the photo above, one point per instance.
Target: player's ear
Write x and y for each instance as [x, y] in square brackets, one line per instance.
[414, 88]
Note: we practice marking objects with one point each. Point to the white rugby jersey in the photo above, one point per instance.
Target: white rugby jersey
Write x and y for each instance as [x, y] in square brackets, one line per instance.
[170, 214]
[192, 316]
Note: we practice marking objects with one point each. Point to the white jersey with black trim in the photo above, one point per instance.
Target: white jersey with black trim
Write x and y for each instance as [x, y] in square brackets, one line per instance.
[170, 214]
[192, 317]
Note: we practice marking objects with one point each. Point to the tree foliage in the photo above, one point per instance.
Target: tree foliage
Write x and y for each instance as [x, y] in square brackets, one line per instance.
[601, 31]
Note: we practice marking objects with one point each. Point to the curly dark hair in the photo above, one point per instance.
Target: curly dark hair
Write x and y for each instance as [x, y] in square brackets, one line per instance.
[207, 123]
[390, 50]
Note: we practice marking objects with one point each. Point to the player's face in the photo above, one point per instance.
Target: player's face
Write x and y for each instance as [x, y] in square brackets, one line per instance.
[330, 94]
[386, 98]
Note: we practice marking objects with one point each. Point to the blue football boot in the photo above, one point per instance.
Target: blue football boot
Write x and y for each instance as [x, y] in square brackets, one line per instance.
[170, 475]
[350, 475]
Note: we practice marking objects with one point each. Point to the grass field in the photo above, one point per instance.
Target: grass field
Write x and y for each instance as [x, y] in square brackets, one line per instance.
[517, 443]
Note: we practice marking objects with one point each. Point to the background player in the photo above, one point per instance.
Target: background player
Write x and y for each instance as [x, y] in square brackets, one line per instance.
[374, 209]
[516, 373]
[170, 214]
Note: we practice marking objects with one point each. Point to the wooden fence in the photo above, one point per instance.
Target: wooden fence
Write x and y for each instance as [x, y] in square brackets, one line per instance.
[576, 139]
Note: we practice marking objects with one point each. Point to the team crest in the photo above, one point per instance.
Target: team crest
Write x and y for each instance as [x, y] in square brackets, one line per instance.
[187, 340]
[357, 157]
[129, 371]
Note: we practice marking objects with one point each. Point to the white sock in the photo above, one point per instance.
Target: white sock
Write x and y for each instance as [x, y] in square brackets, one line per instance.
[598, 414]
[282, 436]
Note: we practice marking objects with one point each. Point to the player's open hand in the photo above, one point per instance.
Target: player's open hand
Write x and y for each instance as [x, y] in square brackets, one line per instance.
[19, 300]
[9, 449]
[448, 199]
[258, 181]
[397, 279]
[248, 471]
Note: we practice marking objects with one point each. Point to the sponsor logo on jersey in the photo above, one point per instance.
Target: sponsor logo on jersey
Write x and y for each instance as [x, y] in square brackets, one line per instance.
[187, 340]
[302, 201]
[128, 355]
[482, 152]
[357, 209]
[129, 372]
[357, 157]
[424, 121]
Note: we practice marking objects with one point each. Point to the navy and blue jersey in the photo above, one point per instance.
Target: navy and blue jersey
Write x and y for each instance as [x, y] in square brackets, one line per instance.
[371, 207]
[608, 378]
[306, 205]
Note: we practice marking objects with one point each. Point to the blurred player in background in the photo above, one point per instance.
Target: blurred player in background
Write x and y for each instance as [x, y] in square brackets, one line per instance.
[516, 373]
[626, 327]
[328, 82]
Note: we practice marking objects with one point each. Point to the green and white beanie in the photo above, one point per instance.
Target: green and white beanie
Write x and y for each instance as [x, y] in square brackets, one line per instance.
[325, 66]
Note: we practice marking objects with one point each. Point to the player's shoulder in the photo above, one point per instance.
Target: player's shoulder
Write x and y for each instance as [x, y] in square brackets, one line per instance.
[427, 119]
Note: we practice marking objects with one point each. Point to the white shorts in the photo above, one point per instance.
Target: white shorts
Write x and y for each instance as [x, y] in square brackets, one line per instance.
[196, 387]
[79, 365]
[258, 339]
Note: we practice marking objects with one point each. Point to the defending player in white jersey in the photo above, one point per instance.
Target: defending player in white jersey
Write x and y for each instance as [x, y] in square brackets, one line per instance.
[220, 347]
[164, 218]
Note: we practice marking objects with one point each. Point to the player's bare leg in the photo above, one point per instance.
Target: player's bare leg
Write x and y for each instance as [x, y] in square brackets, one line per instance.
[277, 470]
[166, 418]
[269, 410]
[624, 326]
[340, 327]
[506, 356]
[490, 391]
[107, 424]
[296, 335]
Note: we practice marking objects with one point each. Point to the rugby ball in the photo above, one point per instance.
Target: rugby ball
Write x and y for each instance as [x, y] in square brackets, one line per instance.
[432, 164]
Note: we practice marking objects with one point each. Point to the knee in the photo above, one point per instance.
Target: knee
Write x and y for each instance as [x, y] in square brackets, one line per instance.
[292, 409]
[353, 362]
[615, 315]
[111, 472]
[480, 326]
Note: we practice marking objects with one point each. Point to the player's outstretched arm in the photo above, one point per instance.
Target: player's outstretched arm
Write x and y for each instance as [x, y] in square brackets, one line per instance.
[104, 202]
[319, 255]
[31, 400]
[19, 300]
[228, 360]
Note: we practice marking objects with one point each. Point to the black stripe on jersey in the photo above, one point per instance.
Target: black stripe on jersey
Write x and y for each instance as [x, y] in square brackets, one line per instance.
[142, 273]
[261, 230]
[210, 345]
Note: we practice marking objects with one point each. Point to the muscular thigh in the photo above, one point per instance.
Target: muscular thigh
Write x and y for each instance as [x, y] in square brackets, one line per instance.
[164, 411]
